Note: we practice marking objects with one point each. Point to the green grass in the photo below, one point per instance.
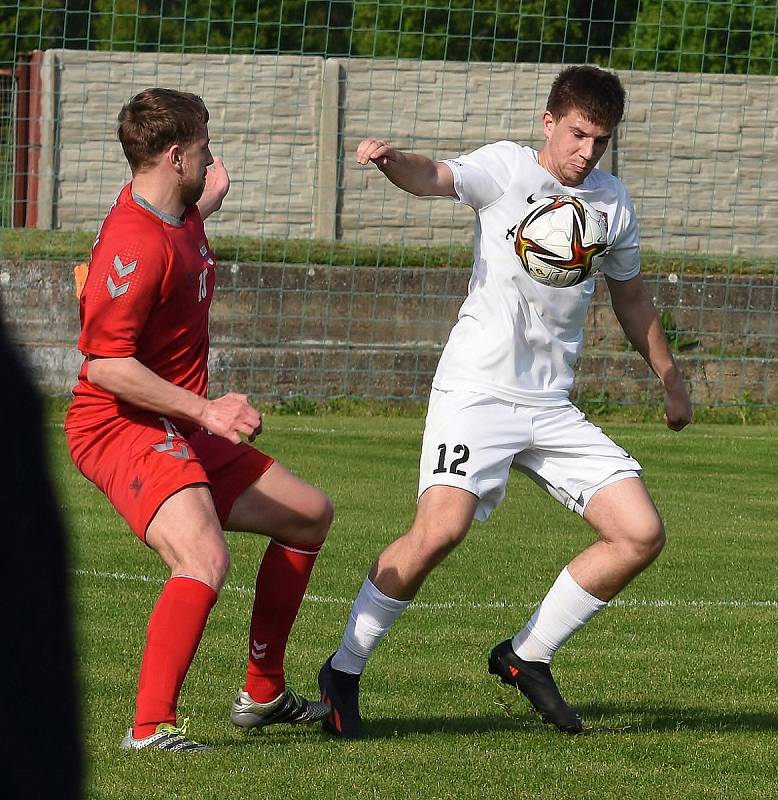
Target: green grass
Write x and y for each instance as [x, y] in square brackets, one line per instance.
[676, 682]
[24, 244]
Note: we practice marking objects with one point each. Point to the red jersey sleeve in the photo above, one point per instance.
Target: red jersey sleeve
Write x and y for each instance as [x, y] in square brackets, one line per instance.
[128, 265]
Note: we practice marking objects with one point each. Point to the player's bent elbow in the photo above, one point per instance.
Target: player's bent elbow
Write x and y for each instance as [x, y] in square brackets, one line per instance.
[101, 372]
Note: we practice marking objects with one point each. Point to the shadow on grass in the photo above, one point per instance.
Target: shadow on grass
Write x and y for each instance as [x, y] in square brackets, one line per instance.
[400, 727]
[642, 718]
[385, 728]
[632, 719]
[598, 719]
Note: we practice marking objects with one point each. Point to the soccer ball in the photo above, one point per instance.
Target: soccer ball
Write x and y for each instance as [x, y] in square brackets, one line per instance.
[561, 240]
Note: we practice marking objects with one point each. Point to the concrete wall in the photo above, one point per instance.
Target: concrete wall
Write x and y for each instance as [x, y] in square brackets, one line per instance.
[697, 152]
[265, 122]
[279, 331]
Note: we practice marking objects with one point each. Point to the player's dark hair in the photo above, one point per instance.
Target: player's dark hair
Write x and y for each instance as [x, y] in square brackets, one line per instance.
[155, 119]
[596, 93]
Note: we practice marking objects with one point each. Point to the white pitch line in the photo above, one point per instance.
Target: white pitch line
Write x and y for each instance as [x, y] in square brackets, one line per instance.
[635, 602]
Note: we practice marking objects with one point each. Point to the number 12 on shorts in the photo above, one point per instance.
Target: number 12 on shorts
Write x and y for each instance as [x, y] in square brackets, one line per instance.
[460, 450]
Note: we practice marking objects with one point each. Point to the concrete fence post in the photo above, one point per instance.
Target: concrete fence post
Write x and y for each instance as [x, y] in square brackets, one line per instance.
[326, 211]
[46, 218]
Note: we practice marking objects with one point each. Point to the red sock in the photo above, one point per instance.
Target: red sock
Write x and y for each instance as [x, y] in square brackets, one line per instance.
[281, 583]
[175, 628]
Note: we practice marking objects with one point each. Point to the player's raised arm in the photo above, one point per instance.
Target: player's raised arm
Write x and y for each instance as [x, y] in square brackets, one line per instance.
[217, 184]
[412, 172]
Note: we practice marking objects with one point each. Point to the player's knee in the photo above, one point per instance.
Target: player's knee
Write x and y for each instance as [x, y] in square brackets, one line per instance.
[434, 543]
[438, 551]
[658, 539]
[323, 520]
[210, 565]
[221, 567]
[318, 519]
[647, 539]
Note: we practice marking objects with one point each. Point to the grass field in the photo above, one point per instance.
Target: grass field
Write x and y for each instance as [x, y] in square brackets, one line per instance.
[29, 244]
[677, 681]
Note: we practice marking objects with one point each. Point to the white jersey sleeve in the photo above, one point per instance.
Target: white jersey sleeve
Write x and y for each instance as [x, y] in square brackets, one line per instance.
[482, 177]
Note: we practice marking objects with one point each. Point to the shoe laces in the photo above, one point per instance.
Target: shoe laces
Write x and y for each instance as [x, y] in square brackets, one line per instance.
[175, 730]
[295, 697]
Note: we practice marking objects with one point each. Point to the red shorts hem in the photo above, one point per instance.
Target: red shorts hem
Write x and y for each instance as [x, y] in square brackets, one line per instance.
[140, 463]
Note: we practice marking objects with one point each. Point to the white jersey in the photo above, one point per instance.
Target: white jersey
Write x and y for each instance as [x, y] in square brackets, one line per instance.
[516, 339]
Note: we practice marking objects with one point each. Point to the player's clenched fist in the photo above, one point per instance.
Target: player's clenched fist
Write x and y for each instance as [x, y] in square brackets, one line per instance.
[231, 415]
[381, 153]
[678, 409]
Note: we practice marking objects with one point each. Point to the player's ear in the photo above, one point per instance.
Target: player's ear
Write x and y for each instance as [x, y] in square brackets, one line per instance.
[548, 123]
[175, 157]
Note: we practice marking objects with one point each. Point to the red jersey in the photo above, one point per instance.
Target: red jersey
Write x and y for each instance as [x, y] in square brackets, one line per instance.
[147, 295]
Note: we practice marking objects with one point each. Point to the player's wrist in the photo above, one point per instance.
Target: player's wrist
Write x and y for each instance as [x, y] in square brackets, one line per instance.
[671, 378]
[671, 374]
[199, 410]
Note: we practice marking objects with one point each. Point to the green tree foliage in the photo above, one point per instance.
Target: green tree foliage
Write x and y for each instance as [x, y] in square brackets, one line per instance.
[210, 26]
[739, 36]
[726, 36]
[41, 24]
[491, 30]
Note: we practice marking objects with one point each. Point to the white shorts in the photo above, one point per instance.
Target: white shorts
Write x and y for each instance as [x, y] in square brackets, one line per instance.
[471, 441]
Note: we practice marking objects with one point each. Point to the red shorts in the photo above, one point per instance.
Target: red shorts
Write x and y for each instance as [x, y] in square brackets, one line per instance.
[140, 462]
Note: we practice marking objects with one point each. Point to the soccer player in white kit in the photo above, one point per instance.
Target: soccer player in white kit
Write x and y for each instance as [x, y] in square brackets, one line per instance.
[500, 397]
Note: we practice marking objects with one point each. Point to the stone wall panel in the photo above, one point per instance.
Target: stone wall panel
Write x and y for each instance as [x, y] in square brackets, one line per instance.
[690, 145]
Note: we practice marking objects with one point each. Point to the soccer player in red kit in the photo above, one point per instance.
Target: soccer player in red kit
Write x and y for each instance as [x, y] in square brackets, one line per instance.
[170, 460]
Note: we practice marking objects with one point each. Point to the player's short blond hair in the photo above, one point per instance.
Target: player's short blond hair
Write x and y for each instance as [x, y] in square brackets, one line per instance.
[596, 93]
[155, 119]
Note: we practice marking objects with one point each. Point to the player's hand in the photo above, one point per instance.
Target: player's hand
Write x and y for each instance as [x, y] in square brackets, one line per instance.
[232, 415]
[217, 179]
[381, 153]
[217, 184]
[678, 406]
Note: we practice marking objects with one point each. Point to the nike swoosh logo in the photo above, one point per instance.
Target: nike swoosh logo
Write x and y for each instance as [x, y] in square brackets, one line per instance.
[531, 198]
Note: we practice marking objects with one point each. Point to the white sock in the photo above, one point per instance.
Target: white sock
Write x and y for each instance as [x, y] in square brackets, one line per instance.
[372, 614]
[564, 610]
